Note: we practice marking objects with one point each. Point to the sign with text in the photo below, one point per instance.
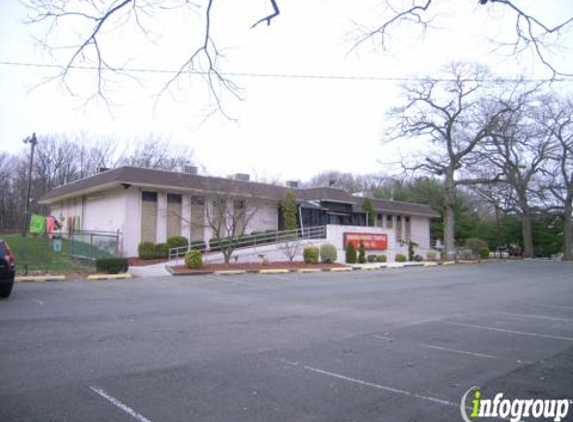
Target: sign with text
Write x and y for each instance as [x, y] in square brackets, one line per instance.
[371, 241]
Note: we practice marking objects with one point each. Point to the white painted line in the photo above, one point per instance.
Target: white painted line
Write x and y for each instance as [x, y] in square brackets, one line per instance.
[533, 316]
[119, 404]
[476, 354]
[503, 330]
[382, 337]
[374, 385]
[38, 301]
[550, 305]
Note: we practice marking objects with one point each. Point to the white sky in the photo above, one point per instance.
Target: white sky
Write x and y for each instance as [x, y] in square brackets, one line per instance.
[287, 128]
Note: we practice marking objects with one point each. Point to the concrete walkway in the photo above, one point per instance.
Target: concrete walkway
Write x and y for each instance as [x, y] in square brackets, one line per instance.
[155, 270]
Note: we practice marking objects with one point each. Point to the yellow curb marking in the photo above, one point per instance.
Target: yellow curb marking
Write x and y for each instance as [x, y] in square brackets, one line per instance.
[448, 263]
[340, 269]
[275, 271]
[97, 277]
[230, 272]
[308, 270]
[38, 278]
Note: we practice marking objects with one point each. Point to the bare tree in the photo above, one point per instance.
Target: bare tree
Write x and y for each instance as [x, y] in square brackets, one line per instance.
[519, 148]
[453, 115]
[558, 172]
[227, 216]
[96, 26]
[349, 182]
[530, 31]
[156, 153]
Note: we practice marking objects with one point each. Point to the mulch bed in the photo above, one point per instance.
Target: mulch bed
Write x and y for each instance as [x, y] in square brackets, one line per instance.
[251, 267]
[136, 262]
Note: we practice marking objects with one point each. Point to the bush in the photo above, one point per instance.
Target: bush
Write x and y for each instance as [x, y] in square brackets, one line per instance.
[310, 254]
[381, 258]
[146, 250]
[177, 242]
[194, 259]
[400, 257]
[111, 265]
[328, 253]
[361, 253]
[484, 253]
[411, 252]
[418, 258]
[466, 254]
[431, 255]
[350, 253]
[475, 244]
[371, 258]
[161, 250]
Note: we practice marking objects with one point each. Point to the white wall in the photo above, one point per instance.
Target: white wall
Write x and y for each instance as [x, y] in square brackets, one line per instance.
[266, 216]
[132, 221]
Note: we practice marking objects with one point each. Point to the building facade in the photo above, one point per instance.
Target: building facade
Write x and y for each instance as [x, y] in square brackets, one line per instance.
[153, 205]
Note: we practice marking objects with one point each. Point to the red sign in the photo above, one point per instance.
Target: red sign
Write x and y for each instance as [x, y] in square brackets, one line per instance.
[371, 241]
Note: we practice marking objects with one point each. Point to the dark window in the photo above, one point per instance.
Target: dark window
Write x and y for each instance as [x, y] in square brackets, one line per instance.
[239, 204]
[173, 198]
[379, 216]
[197, 200]
[388, 221]
[149, 196]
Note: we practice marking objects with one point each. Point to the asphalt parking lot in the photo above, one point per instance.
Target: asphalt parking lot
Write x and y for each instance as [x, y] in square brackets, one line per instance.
[388, 345]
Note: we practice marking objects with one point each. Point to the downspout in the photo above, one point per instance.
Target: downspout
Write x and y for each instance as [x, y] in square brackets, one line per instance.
[300, 217]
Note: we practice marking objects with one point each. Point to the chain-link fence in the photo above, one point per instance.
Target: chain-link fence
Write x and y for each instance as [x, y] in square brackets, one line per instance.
[92, 245]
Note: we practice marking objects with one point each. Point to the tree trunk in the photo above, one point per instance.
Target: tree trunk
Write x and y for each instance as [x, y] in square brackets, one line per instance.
[526, 233]
[449, 217]
[227, 255]
[568, 231]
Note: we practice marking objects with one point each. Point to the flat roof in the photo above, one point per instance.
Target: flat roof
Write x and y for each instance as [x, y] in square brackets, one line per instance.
[183, 182]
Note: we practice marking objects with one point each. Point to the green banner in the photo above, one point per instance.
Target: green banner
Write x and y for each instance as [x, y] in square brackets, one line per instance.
[38, 224]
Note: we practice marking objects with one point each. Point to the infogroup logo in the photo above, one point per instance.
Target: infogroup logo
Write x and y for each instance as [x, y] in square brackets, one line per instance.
[511, 409]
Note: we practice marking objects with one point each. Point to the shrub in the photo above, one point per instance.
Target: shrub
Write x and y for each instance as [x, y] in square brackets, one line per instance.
[418, 258]
[328, 253]
[466, 254]
[431, 255]
[381, 258]
[161, 250]
[371, 258]
[484, 253]
[400, 257]
[146, 250]
[289, 209]
[350, 253]
[411, 252]
[177, 242]
[475, 244]
[194, 259]
[111, 265]
[310, 254]
[361, 253]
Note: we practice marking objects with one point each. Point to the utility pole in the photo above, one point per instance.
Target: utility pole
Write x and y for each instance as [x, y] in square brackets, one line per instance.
[32, 141]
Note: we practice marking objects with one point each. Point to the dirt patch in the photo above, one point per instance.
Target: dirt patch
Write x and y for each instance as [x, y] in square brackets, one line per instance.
[251, 267]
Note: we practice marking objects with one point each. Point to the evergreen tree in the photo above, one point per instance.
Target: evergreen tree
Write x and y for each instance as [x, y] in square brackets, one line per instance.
[369, 208]
[289, 211]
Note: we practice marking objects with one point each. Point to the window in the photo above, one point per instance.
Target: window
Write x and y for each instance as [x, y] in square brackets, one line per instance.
[149, 196]
[408, 228]
[197, 200]
[389, 222]
[173, 198]
[398, 227]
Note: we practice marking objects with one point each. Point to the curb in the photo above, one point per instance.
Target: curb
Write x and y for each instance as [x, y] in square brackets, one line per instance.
[308, 270]
[448, 262]
[430, 264]
[230, 272]
[99, 277]
[341, 269]
[275, 271]
[39, 278]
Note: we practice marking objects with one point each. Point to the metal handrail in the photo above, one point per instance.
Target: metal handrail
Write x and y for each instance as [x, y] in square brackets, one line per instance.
[254, 240]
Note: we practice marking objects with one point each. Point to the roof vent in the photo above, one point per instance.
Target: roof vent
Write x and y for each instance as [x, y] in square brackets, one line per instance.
[190, 170]
[243, 177]
[293, 184]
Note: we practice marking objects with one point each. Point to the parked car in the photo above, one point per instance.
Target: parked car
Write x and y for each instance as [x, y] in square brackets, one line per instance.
[7, 269]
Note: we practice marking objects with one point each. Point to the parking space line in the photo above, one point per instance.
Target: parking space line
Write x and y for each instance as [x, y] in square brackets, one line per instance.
[374, 385]
[533, 316]
[476, 354]
[119, 404]
[503, 330]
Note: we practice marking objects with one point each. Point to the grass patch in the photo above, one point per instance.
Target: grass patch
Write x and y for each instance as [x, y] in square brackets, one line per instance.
[36, 254]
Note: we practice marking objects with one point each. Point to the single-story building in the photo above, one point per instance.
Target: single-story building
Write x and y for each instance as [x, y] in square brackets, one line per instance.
[152, 205]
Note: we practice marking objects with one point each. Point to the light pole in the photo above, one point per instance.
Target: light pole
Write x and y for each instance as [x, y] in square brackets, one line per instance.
[32, 141]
